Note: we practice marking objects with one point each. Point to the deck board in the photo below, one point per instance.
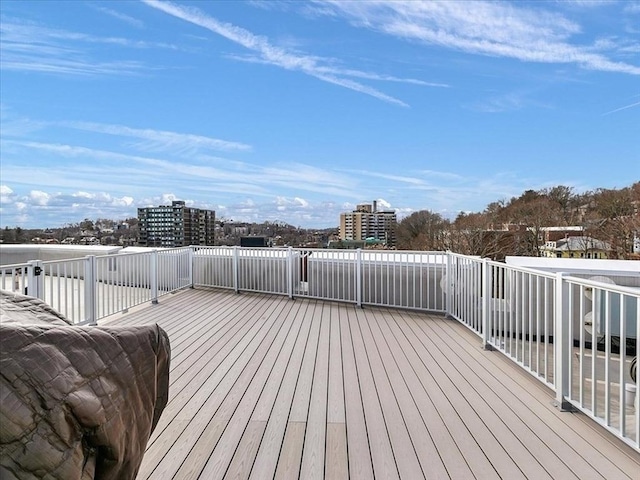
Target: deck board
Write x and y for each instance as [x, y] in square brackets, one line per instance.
[359, 454]
[441, 434]
[421, 439]
[277, 417]
[384, 462]
[569, 433]
[241, 400]
[265, 387]
[403, 446]
[313, 460]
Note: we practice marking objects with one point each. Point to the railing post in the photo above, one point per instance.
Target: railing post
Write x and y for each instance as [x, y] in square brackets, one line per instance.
[290, 271]
[486, 305]
[236, 283]
[192, 257]
[35, 280]
[447, 292]
[359, 277]
[562, 344]
[153, 276]
[90, 290]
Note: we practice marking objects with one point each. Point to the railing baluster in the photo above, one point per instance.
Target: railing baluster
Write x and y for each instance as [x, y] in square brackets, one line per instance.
[153, 275]
[561, 334]
[607, 359]
[359, 278]
[622, 354]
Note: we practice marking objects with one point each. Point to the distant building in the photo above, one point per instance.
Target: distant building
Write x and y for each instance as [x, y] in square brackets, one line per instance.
[254, 242]
[366, 222]
[176, 225]
[553, 234]
[576, 247]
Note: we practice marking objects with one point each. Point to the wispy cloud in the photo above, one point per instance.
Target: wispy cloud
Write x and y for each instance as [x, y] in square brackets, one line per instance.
[636, 104]
[632, 7]
[346, 72]
[34, 48]
[161, 140]
[134, 22]
[388, 176]
[507, 102]
[318, 67]
[483, 28]
[267, 179]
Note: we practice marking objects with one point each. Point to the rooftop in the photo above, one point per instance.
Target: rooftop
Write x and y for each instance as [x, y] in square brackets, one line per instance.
[264, 386]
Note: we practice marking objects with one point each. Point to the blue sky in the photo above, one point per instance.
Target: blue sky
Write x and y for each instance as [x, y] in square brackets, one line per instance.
[297, 111]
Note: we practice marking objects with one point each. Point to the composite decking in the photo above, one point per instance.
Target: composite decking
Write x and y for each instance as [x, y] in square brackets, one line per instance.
[267, 387]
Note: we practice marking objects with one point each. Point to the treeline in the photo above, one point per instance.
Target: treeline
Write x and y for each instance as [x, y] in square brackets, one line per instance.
[516, 226]
[105, 231]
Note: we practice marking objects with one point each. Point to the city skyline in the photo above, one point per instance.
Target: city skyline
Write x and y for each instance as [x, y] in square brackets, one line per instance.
[297, 112]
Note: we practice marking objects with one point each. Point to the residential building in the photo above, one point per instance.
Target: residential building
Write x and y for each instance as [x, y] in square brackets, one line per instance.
[553, 234]
[367, 222]
[576, 247]
[176, 225]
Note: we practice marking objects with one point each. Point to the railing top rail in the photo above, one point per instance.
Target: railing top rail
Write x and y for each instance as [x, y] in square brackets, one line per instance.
[64, 260]
[14, 266]
[148, 251]
[532, 271]
[590, 272]
[408, 256]
[460, 255]
[635, 292]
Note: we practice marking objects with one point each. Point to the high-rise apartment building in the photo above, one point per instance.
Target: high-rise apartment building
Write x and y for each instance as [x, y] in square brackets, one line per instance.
[366, 222]
[176, 225]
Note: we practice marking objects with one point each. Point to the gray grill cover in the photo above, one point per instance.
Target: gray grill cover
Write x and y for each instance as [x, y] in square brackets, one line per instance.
[76, 402]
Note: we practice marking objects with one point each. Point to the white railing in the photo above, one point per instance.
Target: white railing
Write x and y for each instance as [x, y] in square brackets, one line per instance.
[575, 335]
[395, 279]
[87, 289]
[601, 325]
[463, 289]
[518, 308]
[13, 278]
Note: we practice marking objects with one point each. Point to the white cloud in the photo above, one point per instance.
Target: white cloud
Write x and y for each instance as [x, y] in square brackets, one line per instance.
[34, 48]
[38, 209]
[265, 180]
[134, 22]
[6, 194]
[162, 140]
[382, 203]
[123, 201]
[167, 198]
[39, 198]
[483, 28]
[314, 66]
[632, 7]
[389, 176]
[632, 105]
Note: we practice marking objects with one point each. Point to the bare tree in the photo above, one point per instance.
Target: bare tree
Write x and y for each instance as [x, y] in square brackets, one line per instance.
[423, 230]
[618, 218]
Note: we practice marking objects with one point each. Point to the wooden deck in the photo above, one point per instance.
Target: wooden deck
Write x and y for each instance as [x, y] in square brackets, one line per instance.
[266, 387]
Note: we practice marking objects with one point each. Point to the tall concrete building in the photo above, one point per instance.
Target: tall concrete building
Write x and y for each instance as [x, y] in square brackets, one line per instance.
[176, 225]
[367, 222]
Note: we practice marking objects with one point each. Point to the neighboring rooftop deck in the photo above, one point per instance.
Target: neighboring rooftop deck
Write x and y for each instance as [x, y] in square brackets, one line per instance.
[267, 387]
